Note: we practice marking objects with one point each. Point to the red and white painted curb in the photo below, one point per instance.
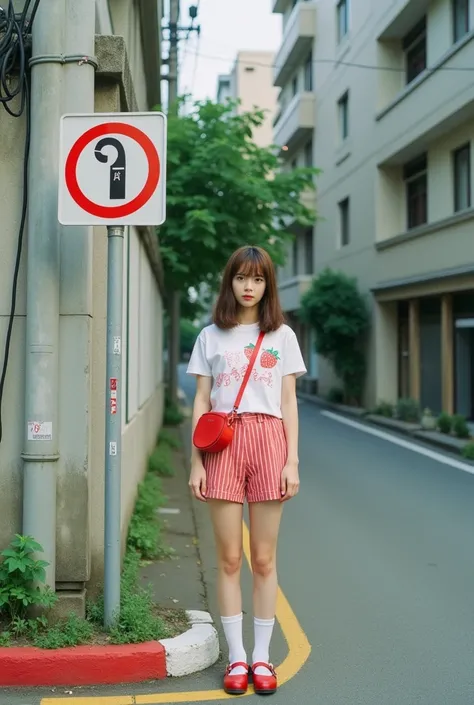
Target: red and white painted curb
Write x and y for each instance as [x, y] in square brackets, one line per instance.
[195, 650]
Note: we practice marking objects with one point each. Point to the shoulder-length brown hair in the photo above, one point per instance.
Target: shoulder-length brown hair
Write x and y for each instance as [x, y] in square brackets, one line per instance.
[253, 262]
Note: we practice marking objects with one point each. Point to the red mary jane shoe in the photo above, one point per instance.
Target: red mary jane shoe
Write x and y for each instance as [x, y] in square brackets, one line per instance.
[239, 683]
[264, 685]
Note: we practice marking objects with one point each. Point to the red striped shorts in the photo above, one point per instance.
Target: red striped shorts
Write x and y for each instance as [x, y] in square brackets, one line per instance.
[251, 466]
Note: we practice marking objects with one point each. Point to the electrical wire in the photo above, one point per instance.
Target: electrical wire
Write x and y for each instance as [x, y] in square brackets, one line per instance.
[15, 32]
[335, 62]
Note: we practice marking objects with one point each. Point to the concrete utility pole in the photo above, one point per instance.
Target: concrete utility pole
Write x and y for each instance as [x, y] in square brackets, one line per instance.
[175, 299]
[41, 447]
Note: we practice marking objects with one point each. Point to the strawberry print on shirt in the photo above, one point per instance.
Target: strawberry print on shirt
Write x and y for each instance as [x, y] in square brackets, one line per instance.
[224, 355]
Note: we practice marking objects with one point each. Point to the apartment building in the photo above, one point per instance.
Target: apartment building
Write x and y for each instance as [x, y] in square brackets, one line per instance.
[392, 131]
[251, 82]
[124, 36]
[294, 132]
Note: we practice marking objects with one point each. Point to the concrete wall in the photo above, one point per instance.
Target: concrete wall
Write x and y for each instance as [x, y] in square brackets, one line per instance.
[80, 496]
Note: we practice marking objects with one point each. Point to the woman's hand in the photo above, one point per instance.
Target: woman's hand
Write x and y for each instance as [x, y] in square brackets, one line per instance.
[290, 481]
[197, 480]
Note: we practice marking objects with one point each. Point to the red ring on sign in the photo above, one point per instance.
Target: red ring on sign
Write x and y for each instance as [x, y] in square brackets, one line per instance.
[154, 170]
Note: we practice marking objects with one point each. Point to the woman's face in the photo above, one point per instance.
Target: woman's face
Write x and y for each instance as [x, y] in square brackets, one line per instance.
[248, 290]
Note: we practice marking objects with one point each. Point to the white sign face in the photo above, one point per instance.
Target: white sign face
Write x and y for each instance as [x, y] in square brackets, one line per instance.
[112, 169]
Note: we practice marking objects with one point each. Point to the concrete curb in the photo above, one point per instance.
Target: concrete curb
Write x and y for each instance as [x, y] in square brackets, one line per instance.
[195, 650]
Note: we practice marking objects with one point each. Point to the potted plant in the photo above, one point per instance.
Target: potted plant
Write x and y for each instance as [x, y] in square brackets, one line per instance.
[428, 421]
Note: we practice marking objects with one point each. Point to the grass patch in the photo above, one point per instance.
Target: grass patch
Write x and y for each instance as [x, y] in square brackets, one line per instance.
[160, 461]
[169, 437]
[140, 618]
[173, 415]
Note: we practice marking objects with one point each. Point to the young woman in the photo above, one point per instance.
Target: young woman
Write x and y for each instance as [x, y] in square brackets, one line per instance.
[261, 463]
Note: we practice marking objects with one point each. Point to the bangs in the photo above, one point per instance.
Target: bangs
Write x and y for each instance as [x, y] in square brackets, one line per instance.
[250, 263]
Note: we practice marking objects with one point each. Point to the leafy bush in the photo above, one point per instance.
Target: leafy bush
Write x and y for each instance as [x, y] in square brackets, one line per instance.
[468, 451]
[460, 427]
[335, 395]
[407, 410]
[160, 461]
[335, 309]
[384, 408]
[445, 423]
[21, 576]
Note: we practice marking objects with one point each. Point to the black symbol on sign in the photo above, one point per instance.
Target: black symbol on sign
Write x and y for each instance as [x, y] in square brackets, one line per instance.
[117, 169]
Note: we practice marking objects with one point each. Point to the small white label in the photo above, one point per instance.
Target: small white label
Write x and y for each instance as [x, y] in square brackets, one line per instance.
[40, 430]
[117, 345]
[113, 394]
[112, 448]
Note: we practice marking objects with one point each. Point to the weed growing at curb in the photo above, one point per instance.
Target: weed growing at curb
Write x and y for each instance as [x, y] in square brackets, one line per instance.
[167, 437]
[160, 461]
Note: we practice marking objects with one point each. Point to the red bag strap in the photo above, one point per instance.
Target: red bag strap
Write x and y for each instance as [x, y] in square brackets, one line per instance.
[248, 372]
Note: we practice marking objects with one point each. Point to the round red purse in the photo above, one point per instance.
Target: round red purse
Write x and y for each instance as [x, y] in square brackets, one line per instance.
[214, 430]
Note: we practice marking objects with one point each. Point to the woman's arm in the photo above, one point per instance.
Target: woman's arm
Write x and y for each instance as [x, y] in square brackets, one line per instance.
[289, 408]
[202, 404]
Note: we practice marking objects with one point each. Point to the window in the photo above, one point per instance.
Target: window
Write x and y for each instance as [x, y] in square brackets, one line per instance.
[416, 180]
[294, 85]
[308, 251]
[460, 19]
[344, 222]
[308, 154]
[342, 19]
[343, 108]
[308, 73]
[414, 46]
[462, 178]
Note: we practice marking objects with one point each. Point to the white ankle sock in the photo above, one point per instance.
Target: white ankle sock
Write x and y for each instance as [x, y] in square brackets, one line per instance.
[233, 633]
[263, 629]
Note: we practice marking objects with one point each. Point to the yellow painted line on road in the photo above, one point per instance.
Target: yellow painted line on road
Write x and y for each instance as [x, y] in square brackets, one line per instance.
[299, 650]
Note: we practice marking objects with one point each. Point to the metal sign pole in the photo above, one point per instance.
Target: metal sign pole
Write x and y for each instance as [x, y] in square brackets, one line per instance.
[113, 427]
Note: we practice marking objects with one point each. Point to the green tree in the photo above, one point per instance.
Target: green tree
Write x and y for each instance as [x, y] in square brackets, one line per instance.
[337, 311]
[189, 333]
[224, 191]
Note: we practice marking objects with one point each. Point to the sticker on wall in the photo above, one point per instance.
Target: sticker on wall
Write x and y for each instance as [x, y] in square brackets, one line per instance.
[113, 384]
[112, 448]
[40, 430]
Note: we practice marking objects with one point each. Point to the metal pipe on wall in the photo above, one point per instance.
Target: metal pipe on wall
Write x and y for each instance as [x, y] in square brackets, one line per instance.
[41, 446]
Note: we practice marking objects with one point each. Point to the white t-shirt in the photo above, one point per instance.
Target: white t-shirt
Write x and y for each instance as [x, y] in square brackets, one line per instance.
[224, 355]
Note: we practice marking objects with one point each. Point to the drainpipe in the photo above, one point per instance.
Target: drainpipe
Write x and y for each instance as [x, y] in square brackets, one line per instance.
[41, 447]
[73, 535]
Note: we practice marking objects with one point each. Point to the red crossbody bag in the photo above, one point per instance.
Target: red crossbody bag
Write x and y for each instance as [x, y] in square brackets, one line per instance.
[215, 429]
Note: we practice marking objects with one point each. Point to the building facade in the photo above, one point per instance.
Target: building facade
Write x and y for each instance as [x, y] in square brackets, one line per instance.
[126, 42]
[251, 82]
[392, 132]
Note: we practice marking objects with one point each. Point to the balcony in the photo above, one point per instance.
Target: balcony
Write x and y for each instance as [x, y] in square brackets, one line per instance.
[298, 39]
[297, 122]
[435, 103]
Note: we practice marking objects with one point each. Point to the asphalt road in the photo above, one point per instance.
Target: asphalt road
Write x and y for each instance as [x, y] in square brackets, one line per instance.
[376, 560]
